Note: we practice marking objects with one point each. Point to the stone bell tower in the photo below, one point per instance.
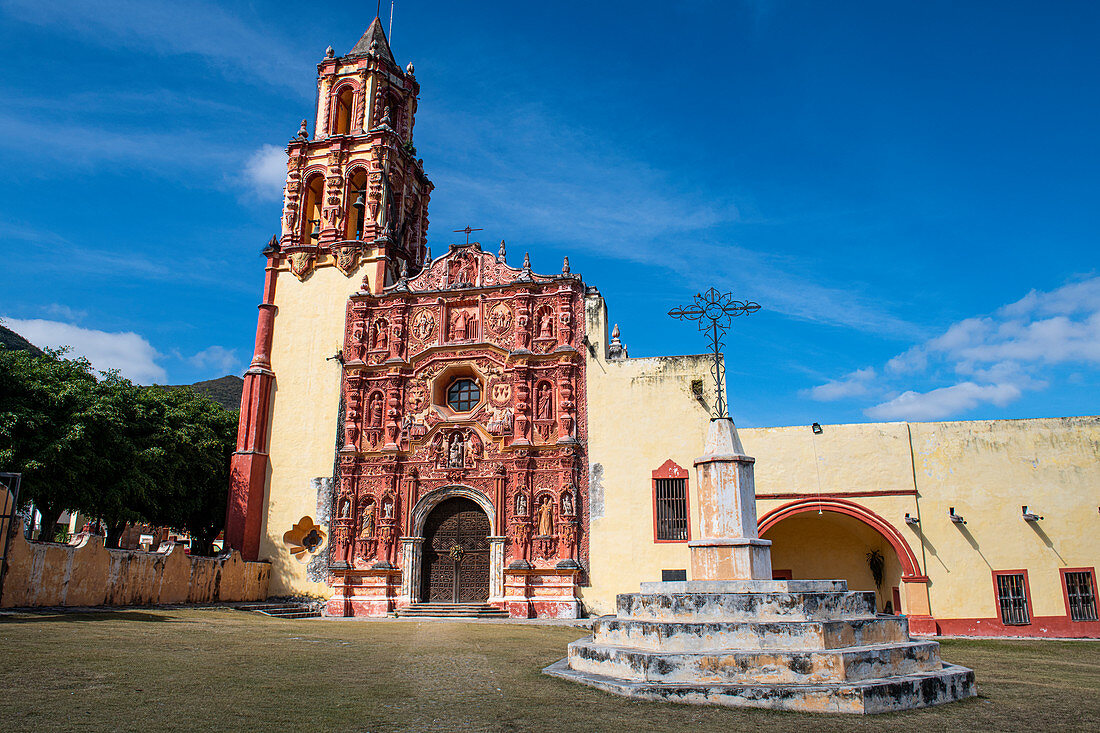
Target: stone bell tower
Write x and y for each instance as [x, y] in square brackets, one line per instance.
[355, 217]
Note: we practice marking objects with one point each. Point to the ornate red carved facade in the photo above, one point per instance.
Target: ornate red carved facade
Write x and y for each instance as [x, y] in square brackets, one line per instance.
[511, 337]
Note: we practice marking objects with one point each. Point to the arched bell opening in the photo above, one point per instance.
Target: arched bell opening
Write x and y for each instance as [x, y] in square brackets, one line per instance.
[311, 210]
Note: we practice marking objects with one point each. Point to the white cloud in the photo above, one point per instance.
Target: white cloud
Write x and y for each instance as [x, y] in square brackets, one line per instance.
[265, 172]
[64, 312]
[943, 402]
[998, 357]
[215, 356]
[855, 384]
[131, 354]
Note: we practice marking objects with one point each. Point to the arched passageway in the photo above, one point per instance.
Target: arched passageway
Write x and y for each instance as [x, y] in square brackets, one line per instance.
[824, 543]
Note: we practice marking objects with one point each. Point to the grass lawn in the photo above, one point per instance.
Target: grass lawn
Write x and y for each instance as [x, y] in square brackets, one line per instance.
[199, 670]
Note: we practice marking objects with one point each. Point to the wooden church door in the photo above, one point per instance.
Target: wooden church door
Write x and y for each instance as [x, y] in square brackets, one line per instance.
[456, 553]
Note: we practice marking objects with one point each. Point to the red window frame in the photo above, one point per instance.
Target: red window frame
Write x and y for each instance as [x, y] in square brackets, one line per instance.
[1027, 596]
[1065, 591]
[670, 470]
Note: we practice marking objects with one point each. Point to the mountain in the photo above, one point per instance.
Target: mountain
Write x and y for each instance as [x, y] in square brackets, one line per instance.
[9, 339]
[226, 391]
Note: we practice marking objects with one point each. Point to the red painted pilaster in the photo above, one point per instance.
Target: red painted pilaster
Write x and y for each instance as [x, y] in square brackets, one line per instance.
[248, 469]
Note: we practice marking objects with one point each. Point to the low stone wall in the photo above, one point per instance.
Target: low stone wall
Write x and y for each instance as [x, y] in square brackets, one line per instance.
[85, 573]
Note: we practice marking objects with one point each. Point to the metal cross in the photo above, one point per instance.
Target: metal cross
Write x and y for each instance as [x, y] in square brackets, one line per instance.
[714, 312]
[467, 230]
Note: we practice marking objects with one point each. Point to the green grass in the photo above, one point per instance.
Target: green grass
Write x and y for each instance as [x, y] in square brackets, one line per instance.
[198, 670]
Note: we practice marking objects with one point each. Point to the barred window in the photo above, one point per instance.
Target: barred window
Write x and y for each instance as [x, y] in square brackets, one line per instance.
[1081, 595]
[672, 522]
[463, 395]
[1012, 597]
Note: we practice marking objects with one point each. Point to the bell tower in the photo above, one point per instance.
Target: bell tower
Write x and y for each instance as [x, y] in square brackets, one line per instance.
[355, 219]
[356, 195]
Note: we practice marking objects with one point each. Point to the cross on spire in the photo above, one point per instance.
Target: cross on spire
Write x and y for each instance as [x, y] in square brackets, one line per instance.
[715, 311]
[467, 231]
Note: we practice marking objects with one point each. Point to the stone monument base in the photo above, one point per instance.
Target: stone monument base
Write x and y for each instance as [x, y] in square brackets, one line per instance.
[808, 645]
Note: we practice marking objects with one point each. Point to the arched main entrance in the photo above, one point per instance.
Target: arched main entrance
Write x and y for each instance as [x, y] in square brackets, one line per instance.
[456, 553]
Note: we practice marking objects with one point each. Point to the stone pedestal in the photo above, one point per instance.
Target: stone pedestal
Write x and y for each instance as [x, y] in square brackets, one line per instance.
[733, 636]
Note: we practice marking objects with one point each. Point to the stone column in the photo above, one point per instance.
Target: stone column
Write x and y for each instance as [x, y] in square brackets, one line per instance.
[496, 570]
[729, 547]
[410, 570]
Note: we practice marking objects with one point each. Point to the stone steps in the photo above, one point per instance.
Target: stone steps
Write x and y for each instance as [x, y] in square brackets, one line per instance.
[451, 610]
[747, 607]
[281, 610]
[884, 695]
[686, 636]
[789, 666]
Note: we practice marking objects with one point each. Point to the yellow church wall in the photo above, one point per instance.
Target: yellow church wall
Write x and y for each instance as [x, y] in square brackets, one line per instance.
[641, 412]
[309, 329]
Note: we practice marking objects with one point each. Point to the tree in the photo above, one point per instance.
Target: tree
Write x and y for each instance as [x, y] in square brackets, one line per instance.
[46, 405]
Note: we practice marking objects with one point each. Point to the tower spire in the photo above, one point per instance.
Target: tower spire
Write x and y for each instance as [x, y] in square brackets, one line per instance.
[374, 41]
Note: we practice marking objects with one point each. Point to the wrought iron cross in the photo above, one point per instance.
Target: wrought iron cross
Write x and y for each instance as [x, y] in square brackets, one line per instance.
[714, 312]
[467, 231]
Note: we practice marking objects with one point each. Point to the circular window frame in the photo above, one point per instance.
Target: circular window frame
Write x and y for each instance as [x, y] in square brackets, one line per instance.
[472, 385]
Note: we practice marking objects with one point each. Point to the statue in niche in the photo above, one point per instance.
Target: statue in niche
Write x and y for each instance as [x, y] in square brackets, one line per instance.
[567, 504]
[376, 411]
[368, 522]
[435, 449]
[456, 458]
[473, 446]
[544, 402]
[459, 326]
[546, 517]
[345, 509]
[380, 342]
[546, 324]
[387, 508]
[521, 505]
[357, 336]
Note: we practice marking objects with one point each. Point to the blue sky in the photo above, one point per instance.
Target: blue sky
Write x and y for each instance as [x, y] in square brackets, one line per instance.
[908, 189]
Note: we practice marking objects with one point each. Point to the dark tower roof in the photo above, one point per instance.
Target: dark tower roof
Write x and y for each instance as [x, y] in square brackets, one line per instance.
[374, 33]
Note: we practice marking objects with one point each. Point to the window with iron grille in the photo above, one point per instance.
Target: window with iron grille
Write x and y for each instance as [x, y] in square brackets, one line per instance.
[1012, 596]
[671, 500]
[463, 395]
[1082, 597]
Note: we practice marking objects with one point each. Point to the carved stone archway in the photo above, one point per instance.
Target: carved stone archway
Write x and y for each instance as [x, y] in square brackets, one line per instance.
[412, 546]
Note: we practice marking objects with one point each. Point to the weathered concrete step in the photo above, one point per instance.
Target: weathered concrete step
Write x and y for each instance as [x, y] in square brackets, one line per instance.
[917, 690]
[746, 586]
[851, 664]
[681, 636]
[266, 606]
[451, 610]
[745, 607]
[299, 614]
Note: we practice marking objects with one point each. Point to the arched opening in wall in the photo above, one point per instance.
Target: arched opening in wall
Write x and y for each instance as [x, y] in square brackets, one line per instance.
[341, 111]
[357, 204]
[456, 553]
[831, 545]
[311, 211]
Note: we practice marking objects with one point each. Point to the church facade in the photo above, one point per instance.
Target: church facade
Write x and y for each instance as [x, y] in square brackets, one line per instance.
[460, 429]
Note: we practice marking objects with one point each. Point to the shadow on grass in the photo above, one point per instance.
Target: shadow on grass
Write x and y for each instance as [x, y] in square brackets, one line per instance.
[41, 616]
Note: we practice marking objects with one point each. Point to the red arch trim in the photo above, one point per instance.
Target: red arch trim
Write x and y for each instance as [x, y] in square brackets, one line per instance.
[908, 560]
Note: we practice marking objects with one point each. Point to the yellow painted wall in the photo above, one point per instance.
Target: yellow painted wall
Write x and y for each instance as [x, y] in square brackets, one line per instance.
[309, 328]
[641, 412]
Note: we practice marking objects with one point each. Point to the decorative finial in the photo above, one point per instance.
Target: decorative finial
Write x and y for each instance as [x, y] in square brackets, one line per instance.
[409, 69]
[303, 133]
[374, 46]
[404, 269]
[615, 349]
[385, 116]
[329, 52]
[427, 254]
[500, 254]
[565, 266]
[526, 260]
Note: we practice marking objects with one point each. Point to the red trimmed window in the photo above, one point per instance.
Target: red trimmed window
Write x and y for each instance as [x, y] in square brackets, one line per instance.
[1013, 596]
[1079, 585]
[671, 521]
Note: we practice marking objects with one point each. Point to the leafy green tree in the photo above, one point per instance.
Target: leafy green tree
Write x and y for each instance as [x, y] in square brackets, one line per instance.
[46, 405]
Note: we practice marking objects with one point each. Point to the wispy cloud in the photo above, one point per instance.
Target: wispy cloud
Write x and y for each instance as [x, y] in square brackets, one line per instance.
[241, 47]
[265, 173]
[217, 357]
[129, 353]
[546, 179]
[991, 359]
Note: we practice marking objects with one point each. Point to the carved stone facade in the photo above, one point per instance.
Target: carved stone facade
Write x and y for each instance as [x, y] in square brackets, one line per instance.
[519, 451]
